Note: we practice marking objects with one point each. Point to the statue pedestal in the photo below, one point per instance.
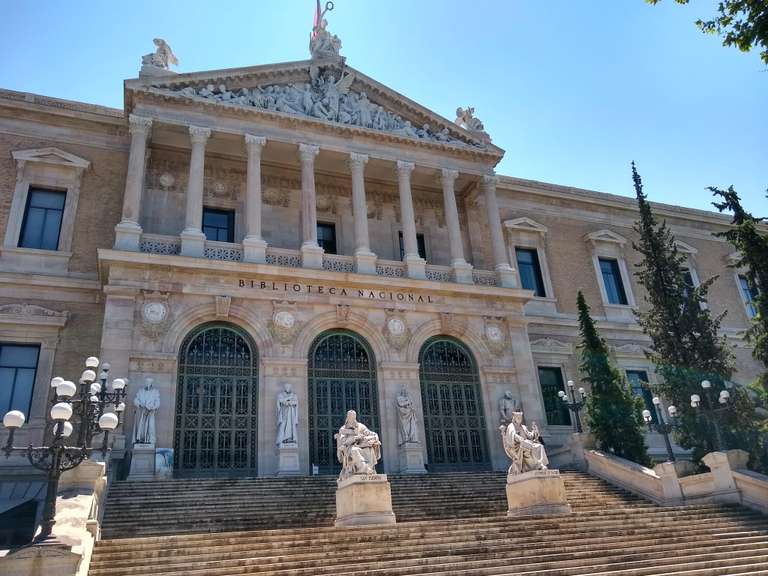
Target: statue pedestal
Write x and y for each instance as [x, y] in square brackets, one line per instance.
[288, 459]
[142, 462]
[536, 493]
[364, 500]
[412, 459]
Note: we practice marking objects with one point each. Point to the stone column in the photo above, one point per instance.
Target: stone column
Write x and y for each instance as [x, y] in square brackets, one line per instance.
[254, 246]
[462, 271]
[415, 265]
[365, 260]
[311, 253]
[192, 237]
[128, 231]
[504, 271]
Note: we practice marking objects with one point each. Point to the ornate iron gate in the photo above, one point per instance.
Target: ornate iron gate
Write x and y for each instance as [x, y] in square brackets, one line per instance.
[216, 403]
[453, 410]
[342, 376]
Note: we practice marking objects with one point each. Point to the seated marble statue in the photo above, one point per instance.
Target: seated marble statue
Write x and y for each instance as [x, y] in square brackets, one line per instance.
[523, 446]
[357, 448]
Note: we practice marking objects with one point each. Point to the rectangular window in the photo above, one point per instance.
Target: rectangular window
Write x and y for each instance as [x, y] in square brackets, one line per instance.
[18, 368]
[638, 382]
[530, 270]
[422, 247]
[326, 237]
[219, 225]
[749, 295]
[551, 381]
[614, 286]
[42, 219]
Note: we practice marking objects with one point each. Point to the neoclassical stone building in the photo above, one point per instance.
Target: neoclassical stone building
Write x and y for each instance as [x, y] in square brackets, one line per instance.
[232, 231]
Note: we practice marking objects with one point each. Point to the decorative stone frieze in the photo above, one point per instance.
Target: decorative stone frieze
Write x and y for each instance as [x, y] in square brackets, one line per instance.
[551, 346]
[22, 313]
[284, 324]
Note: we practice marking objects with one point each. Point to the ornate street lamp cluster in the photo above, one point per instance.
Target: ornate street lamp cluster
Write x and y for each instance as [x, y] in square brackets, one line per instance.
[574, 403]
[662, 426]
[98, 409]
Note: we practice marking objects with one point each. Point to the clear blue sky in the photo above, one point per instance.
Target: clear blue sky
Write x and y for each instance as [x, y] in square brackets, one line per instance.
[572, 90]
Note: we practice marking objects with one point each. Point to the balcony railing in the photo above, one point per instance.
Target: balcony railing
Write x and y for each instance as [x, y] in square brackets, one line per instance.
[171, 246]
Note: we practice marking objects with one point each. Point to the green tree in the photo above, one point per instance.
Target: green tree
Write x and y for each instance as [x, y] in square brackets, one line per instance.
[614, 415]
[687, 347]
[741, 23]
[752, 246]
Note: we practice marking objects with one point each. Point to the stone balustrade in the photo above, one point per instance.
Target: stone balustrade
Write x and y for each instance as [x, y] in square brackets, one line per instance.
[192, 242]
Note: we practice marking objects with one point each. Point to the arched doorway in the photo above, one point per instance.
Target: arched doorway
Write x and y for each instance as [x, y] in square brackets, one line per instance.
[216, 403]
[453, 410]
[342, 376]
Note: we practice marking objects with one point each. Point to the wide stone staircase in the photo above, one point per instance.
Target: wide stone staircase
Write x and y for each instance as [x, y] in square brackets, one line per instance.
[448, 524]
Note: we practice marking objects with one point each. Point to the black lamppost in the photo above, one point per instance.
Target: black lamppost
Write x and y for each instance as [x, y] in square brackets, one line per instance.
[573, 403]
[90, 403]
[662, 426]
[709, 409]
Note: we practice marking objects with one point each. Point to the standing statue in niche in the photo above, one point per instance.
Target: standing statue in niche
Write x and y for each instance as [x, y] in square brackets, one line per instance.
[507, 406]
[357, 448]
[163, 57]
[287, 416]
[146, 401]
[523, 446]
[407, 432]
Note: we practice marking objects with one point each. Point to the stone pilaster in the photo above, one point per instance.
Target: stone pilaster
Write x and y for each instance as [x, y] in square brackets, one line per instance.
[415, 265]
[365, 260]
[462, 271]
[128, 231]
[192, 237]
[311, 253]
[504, 271]
[254, 246]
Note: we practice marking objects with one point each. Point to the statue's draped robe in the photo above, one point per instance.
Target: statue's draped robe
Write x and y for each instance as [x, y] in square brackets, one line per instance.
[147, 401]
[287, 418]
[523, 449]
[357, 443]
[408, 430]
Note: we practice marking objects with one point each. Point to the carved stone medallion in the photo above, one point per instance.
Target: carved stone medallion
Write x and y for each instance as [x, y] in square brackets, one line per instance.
[284, 325]
[155, 315]
[396, 329]
[495, 335]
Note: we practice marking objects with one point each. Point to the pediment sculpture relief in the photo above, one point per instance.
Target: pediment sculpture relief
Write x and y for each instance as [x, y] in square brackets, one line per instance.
[329, 97]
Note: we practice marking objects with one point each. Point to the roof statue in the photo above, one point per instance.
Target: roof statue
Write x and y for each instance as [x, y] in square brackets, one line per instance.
[323, 44]
[465, 117]
[159, 62]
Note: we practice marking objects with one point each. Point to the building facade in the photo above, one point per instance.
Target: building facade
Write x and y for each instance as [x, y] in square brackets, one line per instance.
[230, 232]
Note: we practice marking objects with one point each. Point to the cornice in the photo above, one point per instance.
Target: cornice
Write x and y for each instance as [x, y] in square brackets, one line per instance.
[59, 106]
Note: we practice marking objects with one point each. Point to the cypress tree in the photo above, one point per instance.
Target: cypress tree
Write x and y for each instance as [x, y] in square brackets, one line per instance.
[614, 415]
[687, 347]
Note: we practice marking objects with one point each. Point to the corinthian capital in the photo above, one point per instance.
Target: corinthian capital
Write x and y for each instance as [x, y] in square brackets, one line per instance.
[490, 181]
[405, 168]
[139, 124]
[307, 152]
[254, 143]
[357, 160]
[448, 176]
[199, 134]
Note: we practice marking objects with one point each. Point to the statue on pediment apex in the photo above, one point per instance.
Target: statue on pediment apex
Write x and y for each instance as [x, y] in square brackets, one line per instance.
[323, 44]
[465, 117]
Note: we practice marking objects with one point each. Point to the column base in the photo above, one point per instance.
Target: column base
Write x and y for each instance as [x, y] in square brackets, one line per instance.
[142, 462]
[193, 243]
[127, 236]
[254, 250]
[364, 500]
[462, 272]
[288, 460]
[312, 256]
[412, 459]
[365, 262]
[506, 276]
[536, 493]
[415, 267]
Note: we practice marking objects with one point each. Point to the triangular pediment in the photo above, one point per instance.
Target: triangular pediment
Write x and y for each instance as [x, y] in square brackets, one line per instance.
[329, 92]
[51, 155]
[606, 236]
[525, 224]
